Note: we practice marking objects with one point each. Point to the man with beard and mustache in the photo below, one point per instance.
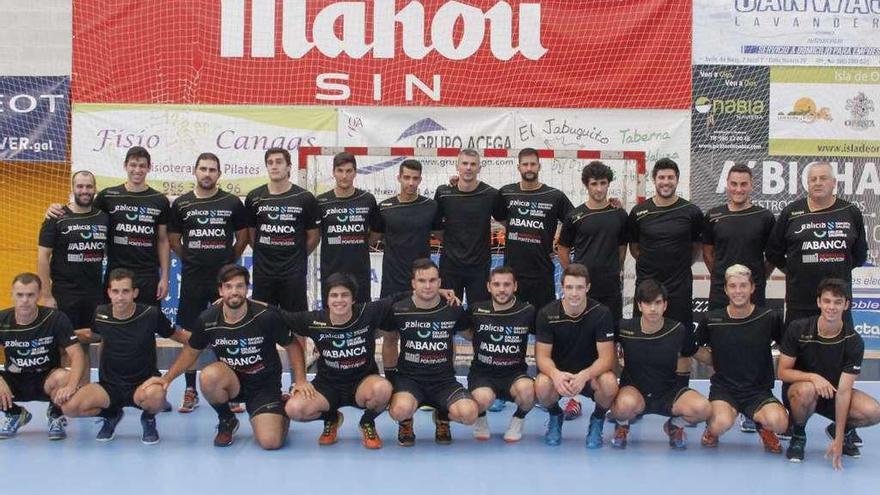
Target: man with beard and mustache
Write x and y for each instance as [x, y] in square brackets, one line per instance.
[207, 230]
[70, 258]
[533, 211]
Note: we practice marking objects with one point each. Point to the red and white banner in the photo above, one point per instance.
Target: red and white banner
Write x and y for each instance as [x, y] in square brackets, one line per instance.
[515, 53]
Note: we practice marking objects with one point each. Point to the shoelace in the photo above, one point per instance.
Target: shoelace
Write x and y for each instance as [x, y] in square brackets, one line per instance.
[328, 427]
[6, 422]
[370, 430]
[60, 421]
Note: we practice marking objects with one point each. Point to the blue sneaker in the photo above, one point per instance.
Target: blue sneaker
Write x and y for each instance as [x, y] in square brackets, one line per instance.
[747, 426]
[677, 437]
[151, 434]
[497, 405]
[10, 423]
[108, 428]
[554, 430]
[56, 428]
[594, 434]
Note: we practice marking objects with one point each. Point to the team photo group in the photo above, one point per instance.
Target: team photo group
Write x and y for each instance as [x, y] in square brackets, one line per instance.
[582, 345]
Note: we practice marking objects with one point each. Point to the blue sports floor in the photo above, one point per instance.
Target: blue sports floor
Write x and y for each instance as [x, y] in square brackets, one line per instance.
[186, 462]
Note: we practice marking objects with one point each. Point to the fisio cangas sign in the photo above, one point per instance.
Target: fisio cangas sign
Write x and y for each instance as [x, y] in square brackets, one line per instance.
[384, 52]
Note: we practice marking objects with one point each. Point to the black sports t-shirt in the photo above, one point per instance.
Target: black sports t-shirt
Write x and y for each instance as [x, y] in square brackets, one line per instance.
[501, 338]
[665, 235]
[345, 228]
[426, 347]
[741, 354]
[35, 347]
[248, 345]
[207, 227]
[467, 224]
[407, 228]
[133, 230]
[78, 242]
[128, 347]
[281, 222]
[739, 237]
[532, 218]
[574, 339]
[812, 245]
[595, 238]
[827, 357]
[650, 360]
[346, 352]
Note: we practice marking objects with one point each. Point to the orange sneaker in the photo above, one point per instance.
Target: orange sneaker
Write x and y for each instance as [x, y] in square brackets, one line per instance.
[708, 439]
[442, 432]
[770, 441]
[406, 437]
[331, 428]
[370, 436]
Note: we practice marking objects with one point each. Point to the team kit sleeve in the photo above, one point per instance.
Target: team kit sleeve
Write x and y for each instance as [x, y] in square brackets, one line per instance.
[775, 252]
[47, 233]
[164, 212]
[239, 215]
[310, 212]
[62, 329]
[297, 321]
[198, 338]
[632, 227]
[175, 224]
[163, 325]
[702, 334]
[860, 246]
[696, 224]
[250, 209]
[604, 326]
[543, 330]
[708, 234]
[853, 354]
[567, 232]
[279, 327]
[789, 345]
[688, 343]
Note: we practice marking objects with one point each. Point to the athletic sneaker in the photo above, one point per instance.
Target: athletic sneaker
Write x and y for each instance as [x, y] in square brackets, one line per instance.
[796, 446]
[770, 441]
[237, 407]
[370, 437]
[852, 435]
[708, 439]
[406, 437]
[594, 434]
[677, 437]
[442, 432]
[481, 429]
[425, 407]
[621, 432]
[56, 428]
[331, 429]
[514, 430]
[746, 425]
[572, 409]
[786, 435]
[497, 405]
[226, 428]
[150, 435]
[850, 449]
[108, 428]
[554, 430]
[190, 401]
[10, 423]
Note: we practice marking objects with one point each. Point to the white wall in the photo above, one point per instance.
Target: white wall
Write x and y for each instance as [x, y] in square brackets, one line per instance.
[36, 37]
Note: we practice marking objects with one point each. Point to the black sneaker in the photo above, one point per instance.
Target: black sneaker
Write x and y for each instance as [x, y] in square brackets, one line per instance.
[108, 427]
[442, 432]
[151, 434]
[796, 446]
[226, 428]
[856, 439]
[850, 449]
[786, 435]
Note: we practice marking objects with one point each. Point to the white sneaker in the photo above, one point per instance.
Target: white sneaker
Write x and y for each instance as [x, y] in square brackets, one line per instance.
[481, 428]
[514, 431]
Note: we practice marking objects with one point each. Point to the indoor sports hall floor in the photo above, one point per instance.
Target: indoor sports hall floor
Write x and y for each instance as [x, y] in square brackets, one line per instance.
[186, 462]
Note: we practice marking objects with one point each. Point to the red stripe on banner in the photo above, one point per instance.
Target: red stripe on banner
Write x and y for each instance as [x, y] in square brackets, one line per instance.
[495, 153]
[304, 152]
[447, 151]
[588, 154]
[546, 154]
[402, 151]
[357, 150]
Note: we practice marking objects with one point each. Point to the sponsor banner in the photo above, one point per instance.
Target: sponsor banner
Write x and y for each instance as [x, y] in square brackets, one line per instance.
[866, 305]
[511, 53]
[780, 180]
[829, 111]
[795, 32]
[730, 108]
[175, 134]
[34, 114]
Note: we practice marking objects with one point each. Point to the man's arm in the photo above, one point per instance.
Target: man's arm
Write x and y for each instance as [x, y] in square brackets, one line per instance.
[603, 363]
[44, 257]
[634, 250]
[842, 402]
[696, 251]
[241, 242]
[185, 360]
[313, 238]
[174, 243]
[704, 355]
[786, 372]
[297, 357]
[564, 256]
[709, 257]
[561, 380]
[164, 249]
[77, 368]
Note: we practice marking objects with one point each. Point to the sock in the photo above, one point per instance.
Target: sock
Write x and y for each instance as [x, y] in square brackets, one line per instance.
[799, 430]
[848, 429]
[554, 410]
[678, 421]
[14, 410]
[682, 380]
[223, 411]
[519, 413]
[482, 414]
[108, 413]
[190, 377]
[54, 411]
[599, 412]
[145, 416]
[443, 416]
[330, 415]
[369, 416]
[622, 422]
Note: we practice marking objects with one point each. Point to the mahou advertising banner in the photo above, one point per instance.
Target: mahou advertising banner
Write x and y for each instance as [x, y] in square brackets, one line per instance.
[551, 53]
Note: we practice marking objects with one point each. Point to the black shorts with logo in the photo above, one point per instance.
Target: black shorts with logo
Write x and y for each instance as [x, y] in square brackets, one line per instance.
[287, 293]
[535, 291]
[500, 385]
[439, 393]
[195, 296]
[662, 403]
[824, 407]
[340, 393]
[748, 403]
[26, 387]
[121, 395]
[260, 395]
[79, 308]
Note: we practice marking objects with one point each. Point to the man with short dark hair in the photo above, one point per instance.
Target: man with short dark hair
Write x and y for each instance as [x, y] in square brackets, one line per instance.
[283, 230]
[575, 355]
[32, 338]
[345, 215]
[820, 358]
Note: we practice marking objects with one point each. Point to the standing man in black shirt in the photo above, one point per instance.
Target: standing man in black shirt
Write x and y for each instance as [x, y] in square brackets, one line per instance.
[533, 212]
[243, 334]
[654, 348]
[821, 356]
[817, 237]
[137, 231]
[208, 229]
[575, 355]
[70, 258]
[467, 210]
[737, 232]
[499, 329]
[32, 338]
[283, 229]
[736, 341]
[346, 215]
[425, 373]
[128, 360]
